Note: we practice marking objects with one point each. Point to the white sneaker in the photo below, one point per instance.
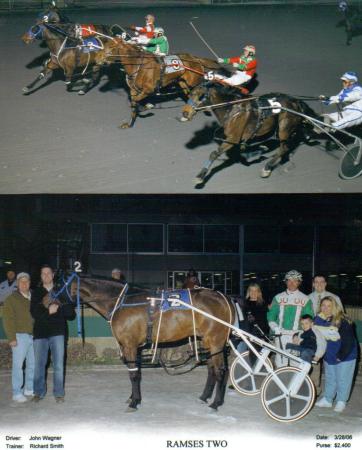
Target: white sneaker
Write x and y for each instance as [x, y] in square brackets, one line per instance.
[339, 406]
[323, 403]
[28, 393]
[20, 398]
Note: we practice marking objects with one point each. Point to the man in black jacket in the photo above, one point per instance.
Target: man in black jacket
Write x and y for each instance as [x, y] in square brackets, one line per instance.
[50, 325]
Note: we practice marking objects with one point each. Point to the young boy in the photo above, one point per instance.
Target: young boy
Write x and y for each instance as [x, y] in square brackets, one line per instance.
[311, 345]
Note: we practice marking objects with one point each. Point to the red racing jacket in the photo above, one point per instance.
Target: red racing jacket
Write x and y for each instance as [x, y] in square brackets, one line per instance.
[148, 30]
[247, 65]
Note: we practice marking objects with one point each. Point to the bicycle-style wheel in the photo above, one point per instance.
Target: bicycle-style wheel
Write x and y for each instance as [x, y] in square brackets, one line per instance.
[287, 406]
[244, 381]
[351, 163]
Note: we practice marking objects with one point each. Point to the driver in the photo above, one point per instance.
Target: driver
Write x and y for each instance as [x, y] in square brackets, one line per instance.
[351, 99]
[159, 44]
[146, 31]
[245, 65]
[285, 312]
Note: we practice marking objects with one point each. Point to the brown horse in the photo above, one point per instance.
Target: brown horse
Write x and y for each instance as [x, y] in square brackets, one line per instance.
[135, 322]
[68, 53]
[146, 73]
[251, 119]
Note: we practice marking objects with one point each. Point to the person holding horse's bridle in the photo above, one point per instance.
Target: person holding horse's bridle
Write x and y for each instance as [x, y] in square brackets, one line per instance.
[245, 66]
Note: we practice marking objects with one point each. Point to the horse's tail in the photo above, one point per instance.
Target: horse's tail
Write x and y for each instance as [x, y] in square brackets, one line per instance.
[307, 110]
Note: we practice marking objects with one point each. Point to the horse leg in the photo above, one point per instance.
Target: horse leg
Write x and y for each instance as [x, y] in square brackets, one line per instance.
[48, 68]
[221, 373]
[134, 114]
[210, 383]
[130, 356]
[89, 84]
[200, 177]
[274, 160]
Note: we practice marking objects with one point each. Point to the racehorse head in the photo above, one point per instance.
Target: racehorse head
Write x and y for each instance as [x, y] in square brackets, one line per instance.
[198, 97]
[52, 15]
[34, 32]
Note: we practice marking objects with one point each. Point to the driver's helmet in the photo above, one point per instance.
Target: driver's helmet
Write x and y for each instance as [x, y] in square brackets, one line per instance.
[350, 76]
[250, 49]
[159, 31]
[293, 275]
[343, 5]
[150, 18]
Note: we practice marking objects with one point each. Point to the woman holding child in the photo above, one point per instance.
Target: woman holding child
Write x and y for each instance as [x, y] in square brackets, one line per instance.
[341, 354]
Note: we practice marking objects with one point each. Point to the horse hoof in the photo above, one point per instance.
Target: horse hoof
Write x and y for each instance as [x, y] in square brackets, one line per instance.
[25, 90]
[123, 126]
[265, 173]
[81, 92]
[149, 106]
[203, 400]
[130, 410]
[183, 119]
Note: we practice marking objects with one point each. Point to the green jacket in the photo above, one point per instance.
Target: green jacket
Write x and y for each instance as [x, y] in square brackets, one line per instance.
[16, 316]
[287, 308]
[158, 45]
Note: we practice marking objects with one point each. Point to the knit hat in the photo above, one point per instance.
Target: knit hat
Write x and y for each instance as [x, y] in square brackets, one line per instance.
[22, 275]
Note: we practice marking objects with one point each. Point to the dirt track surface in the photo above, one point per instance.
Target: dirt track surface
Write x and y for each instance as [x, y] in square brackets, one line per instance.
[94, 417]
[58, 142]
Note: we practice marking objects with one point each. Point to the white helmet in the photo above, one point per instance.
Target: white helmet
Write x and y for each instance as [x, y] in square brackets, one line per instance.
[350, 76]
[159, 30]
[343, 6]
[293, 275]
[250, 49]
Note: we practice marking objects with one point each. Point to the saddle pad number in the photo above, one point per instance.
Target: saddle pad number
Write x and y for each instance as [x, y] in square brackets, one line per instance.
[209, 76]
[276, 106]
[174, 301]
[175, 64]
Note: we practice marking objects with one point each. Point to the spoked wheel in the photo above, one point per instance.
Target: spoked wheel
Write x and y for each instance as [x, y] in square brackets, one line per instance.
[245, 382]
[287, 406]
[351, 163]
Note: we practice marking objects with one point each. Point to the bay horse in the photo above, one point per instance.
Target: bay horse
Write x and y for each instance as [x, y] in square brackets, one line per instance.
[352, 20]
[130, 326]
[246, 122]
[146, 73]
[68, 53]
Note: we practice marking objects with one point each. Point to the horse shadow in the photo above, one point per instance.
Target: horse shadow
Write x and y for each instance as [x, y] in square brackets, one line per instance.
[261, 151]
[115, 78]
[204, 136]
[39, 61]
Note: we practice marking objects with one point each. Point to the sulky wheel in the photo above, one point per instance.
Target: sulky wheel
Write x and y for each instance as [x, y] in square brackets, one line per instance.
[287, 406]
[244, 381]
[351, 162]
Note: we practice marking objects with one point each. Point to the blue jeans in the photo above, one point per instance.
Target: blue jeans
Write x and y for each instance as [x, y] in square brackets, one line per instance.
[41, 349]
[24, 351]
[338, 380]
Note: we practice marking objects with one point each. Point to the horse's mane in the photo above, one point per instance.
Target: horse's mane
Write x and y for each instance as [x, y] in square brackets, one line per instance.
[109, 283]
[61, 30]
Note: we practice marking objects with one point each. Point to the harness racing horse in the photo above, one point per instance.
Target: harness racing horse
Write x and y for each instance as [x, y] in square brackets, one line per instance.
[136, 321]
[146, 73]
[68, 52]
[246, 121]
[352, 20]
